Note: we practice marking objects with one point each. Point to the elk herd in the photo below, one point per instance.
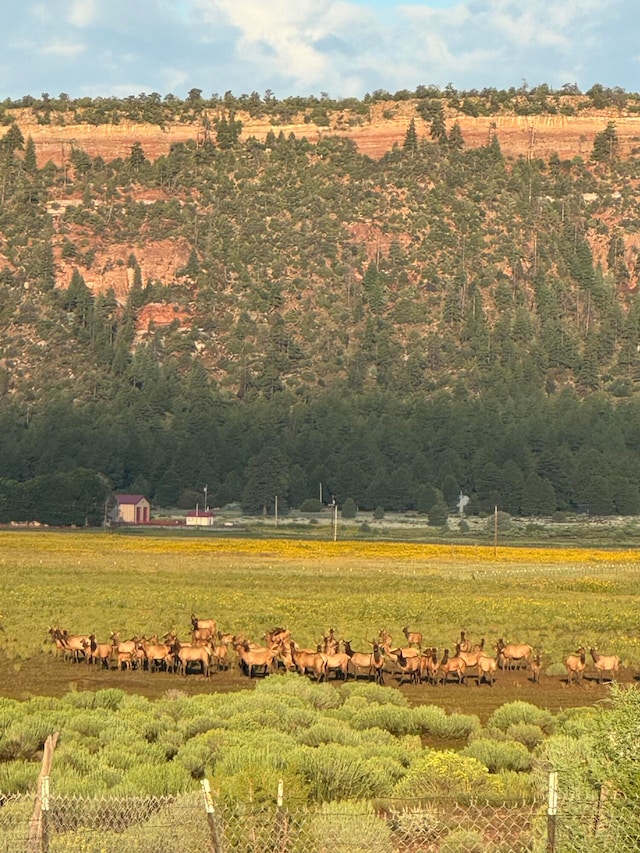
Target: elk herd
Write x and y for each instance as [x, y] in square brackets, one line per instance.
[209, 650]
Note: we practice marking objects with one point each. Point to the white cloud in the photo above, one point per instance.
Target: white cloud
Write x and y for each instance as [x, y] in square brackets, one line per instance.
[64, 49]
[39, 12]
[82, 13]
[286, 38]
[300, 47]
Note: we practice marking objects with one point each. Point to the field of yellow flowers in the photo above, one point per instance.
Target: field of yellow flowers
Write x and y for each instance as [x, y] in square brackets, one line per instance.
[554, 599]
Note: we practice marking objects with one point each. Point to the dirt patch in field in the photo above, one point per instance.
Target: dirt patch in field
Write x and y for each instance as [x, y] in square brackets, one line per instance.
[49, 676]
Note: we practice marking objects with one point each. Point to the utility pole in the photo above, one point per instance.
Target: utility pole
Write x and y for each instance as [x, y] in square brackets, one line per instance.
[335, 520]
[205, 498]
[276, 510]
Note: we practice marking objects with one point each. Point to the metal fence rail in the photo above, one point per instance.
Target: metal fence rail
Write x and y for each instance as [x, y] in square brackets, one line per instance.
[191, 823]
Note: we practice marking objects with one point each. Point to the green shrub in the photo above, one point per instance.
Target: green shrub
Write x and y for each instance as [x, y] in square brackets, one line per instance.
[438, 514]
[435, 721]
[349, 508]
[463, 840]
[496, 756]
[335, 772]
[18, 776]
[373, 693]
[390, 718]
[446, 774]
[24, 738]
[199, 754]
[526, 733]
[311, 505]
[417, 824]
[513, 713]
[319, 696]
[378, 513]
[343, 827]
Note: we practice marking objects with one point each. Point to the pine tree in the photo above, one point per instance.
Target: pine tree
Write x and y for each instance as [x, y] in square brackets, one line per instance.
[410, 144]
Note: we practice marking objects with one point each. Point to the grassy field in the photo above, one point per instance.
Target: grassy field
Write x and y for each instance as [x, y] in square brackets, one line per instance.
[554, 599]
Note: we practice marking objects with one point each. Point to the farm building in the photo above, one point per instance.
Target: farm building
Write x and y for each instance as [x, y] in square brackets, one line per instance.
[132, 509]
[199, 518]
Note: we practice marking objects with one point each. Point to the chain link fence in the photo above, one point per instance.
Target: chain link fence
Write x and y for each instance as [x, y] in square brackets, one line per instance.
[193, 823]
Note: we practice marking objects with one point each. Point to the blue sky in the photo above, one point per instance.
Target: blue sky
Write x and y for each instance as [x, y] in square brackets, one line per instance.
[305, 47]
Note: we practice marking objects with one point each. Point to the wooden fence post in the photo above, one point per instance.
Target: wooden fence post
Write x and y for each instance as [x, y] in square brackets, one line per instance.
[216, 843]
[38, 841]
[282, 821]
[552, 811]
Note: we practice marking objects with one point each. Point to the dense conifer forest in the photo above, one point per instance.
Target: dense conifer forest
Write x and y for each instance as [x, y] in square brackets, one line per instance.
[443, 319]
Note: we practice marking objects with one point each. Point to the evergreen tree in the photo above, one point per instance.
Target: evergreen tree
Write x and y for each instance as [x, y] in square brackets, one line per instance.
[538, 496]
[605, 144]
[410, 144]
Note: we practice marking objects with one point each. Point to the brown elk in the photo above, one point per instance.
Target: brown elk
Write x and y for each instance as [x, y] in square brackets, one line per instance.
[429, 665]
[575, 665]
[605, 663]
[209, 625]
[281, 645]
[97, 652]
[123, 646]
[187, 655]
[451, 665]
[56, 637]
[338, 663]
[511, 655]
[384, 638]
[536, 668]
[487, 667]
[471, 658]
[330, 643]
[307, 661]
[464, 643]
[414, 638]
[72, 644]
[409, 666]
[157, 655]
[392, 654]
[220, 656]
[125, 660]
[370, 662]
[254, 659]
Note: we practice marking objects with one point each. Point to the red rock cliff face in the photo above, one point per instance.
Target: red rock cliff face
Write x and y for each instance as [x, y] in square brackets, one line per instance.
[386, 126]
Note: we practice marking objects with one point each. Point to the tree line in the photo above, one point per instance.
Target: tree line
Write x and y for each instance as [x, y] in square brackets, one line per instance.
[402, 330]
[515, 448]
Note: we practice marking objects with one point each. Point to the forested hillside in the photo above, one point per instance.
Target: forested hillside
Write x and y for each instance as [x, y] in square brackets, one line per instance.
[259, 315]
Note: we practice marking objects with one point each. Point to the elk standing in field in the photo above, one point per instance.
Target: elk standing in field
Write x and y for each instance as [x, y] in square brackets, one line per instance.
[98, 652]
[204, 625]
[575, 665]
[306, 661]
[371, 663]
[605, 663]
[252, 660]
[487, 667]
[414, 638]
[410, 666]
[464, 643]
[455, 665]
[429, 665]
[511, 655]
[536, 669]
[471, 658]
